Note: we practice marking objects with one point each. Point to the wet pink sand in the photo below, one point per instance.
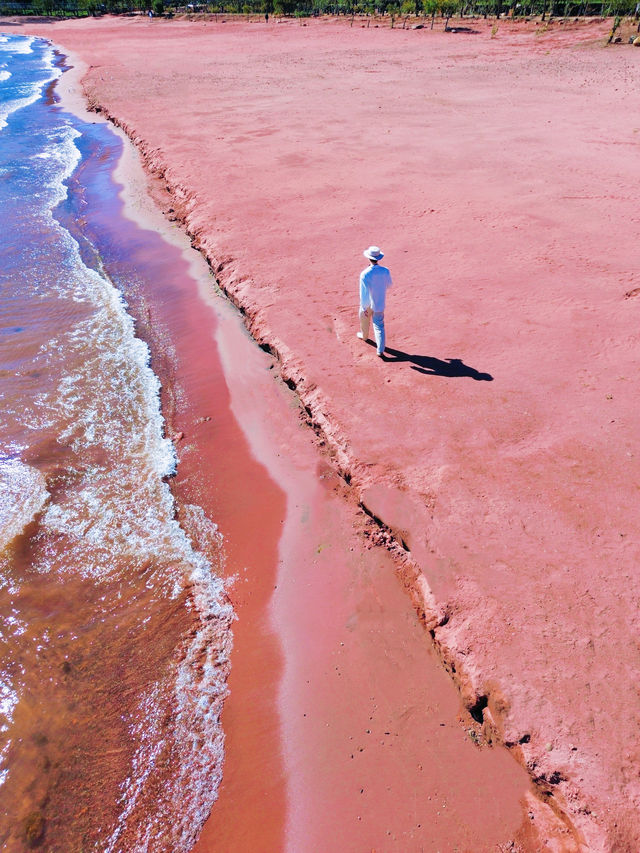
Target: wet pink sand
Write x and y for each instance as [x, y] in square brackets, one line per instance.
[500, 177]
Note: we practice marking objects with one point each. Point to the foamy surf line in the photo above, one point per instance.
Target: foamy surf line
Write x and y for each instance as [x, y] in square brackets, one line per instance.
[23, 494]
[24, 92]
[200, 684]
[101, 403]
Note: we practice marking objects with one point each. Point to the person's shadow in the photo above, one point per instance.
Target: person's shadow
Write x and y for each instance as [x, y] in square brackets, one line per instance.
[427, 364]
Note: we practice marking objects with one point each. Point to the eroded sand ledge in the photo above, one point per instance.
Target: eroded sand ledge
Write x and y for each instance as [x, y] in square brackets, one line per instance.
[499, 176]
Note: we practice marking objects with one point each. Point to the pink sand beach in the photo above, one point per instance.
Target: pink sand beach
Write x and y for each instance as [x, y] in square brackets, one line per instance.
[437, 640]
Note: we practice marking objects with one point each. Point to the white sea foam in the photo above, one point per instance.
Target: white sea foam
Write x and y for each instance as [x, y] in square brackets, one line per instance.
[4, 75]
[62, 156]
[199, 691]
[8, 701]
[10, 625]
[109, 400]
[23, 494]
[16, 44]
[29, 93]
[55, 165]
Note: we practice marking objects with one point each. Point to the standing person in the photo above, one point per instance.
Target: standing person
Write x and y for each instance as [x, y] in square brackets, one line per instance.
[374, 281]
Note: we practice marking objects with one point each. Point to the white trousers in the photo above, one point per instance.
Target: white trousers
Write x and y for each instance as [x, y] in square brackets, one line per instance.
[366, 316]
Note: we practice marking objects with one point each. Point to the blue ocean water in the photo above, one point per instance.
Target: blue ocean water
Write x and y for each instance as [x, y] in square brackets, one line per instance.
[114, 628]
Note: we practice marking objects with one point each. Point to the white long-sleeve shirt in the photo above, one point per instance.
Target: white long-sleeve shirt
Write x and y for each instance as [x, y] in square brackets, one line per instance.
[374, 281]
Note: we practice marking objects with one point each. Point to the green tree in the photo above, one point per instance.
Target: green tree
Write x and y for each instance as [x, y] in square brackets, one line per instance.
[370, 10]
[431, 8]
[448, 8]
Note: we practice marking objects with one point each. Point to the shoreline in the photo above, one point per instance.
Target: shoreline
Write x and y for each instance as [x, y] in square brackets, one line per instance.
[383, 505]
[254, 650]
[247, 737]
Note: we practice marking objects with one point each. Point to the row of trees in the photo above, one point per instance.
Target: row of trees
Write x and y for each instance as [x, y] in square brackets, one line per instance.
[446, 8]
[390, 10]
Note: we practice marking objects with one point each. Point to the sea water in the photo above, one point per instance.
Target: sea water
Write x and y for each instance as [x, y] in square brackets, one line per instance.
[114, 625]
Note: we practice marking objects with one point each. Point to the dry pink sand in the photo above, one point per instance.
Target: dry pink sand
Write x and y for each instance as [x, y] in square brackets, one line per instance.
[500, 177]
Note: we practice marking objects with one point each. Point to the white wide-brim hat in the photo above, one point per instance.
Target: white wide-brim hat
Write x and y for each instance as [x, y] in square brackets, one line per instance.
[373, 253]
